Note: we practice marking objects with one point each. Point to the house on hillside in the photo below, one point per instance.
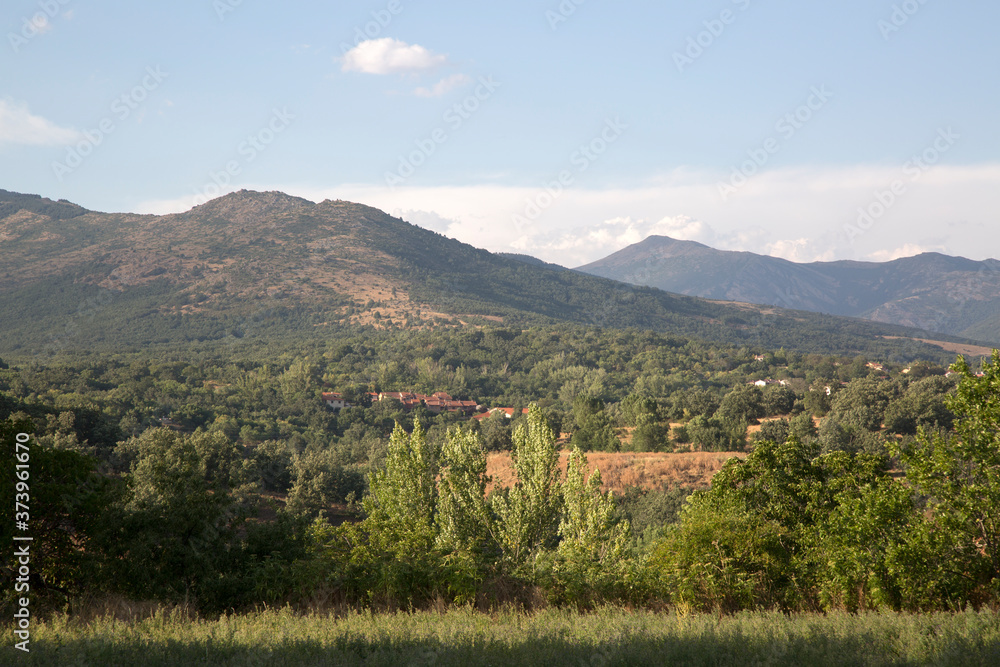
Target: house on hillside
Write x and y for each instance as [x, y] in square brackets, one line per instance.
[335, 400]
[437, 402]
[441, 402]
[506, 412]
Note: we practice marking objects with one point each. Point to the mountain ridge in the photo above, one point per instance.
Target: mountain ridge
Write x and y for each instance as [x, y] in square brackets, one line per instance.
[933, 291]
[270, 264]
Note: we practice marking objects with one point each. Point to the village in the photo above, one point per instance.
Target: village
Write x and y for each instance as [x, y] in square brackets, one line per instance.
[437, 403]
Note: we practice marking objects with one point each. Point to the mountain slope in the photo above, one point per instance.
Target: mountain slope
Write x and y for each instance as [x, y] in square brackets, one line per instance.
[930, 291]
[265, 265]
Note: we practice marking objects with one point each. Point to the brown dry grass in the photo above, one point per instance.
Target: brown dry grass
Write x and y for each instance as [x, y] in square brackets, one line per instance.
[620, 470]
[957, 348]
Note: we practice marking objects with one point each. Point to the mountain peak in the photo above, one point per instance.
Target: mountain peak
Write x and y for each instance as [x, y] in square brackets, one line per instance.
[250, 202]
[12, 202]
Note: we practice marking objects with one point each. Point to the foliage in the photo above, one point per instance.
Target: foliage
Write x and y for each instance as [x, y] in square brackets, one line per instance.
[321, 481]
[64, 498]
[528, 513]
[960, 474]
[465, 522]
[592, 549]
[174, 533]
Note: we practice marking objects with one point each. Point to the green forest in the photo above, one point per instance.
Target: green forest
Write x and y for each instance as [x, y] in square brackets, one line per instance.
[225, 483]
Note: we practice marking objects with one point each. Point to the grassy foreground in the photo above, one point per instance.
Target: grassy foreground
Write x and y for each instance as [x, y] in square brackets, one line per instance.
[608, 636]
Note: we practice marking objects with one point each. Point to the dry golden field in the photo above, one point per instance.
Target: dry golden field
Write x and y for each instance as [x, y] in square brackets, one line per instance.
[620, 470]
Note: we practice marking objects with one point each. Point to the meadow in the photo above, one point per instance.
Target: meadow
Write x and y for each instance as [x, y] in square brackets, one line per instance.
[607, 636]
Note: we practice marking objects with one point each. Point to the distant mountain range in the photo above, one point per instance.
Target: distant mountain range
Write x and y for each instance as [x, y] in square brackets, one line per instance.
[930, 291]
[266, 265]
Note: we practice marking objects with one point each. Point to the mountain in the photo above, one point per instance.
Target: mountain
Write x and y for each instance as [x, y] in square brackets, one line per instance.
[930, 291]
[266, 265]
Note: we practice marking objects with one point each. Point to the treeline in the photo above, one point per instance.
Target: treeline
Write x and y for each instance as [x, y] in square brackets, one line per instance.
[170, 516]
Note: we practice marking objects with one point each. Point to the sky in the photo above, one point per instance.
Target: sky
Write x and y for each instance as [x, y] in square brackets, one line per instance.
[563, 129]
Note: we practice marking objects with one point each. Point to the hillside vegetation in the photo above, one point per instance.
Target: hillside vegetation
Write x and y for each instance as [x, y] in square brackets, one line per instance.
[268, 264]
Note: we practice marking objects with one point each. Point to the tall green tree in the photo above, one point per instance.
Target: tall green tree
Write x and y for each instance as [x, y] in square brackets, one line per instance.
[464, 518]
[528, 513]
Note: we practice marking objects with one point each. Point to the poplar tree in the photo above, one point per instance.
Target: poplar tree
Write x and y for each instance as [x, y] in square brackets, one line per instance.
[528, 513]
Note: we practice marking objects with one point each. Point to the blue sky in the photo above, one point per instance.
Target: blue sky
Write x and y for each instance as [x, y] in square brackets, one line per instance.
[566, 130]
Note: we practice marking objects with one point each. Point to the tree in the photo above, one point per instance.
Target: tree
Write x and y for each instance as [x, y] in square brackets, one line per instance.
[636, 409]
[321, 481]
[649, 436]
[177, 528]
[405, 493]
[592, 545]
[593, 429]
[391, 553]
[862, 404]
[960, 473]
[820, 395]
[708, 434]
[923, 403]
[586, 527]
[270, 466]
[776, 431]
[528, 513]
[65, 499]
[464, 520]
[496, 432]
[744, 404]
[777, 400]
[751, 540]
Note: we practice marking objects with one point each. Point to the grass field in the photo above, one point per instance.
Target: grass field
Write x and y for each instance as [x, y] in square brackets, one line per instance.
[609, 636]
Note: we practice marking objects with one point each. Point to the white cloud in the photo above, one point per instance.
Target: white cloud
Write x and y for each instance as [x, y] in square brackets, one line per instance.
[428, 220]
[908, 250]
[19, 126]
[390, 56]
[800, 250]
[577, 245]
[443, 86]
